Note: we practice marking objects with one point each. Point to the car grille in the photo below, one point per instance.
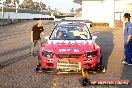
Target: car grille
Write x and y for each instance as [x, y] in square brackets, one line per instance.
[65, 65]
[69, 55]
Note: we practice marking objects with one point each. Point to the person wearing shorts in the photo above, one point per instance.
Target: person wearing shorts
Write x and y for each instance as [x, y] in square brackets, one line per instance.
[35, 35]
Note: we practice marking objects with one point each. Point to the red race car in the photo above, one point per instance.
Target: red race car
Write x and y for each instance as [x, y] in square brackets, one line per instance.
[69, 48]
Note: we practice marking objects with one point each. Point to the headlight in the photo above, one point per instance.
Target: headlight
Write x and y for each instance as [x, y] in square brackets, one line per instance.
[47, 54]
[89, 54]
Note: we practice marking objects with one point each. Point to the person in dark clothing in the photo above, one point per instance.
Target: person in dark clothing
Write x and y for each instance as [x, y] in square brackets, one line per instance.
[35, 35]
[127, 40]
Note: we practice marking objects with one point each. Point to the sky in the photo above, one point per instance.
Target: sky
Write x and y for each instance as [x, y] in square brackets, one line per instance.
[61, 5]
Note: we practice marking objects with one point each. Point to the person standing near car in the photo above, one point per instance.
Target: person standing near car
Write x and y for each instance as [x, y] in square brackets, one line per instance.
[35, 35]
[127, 40]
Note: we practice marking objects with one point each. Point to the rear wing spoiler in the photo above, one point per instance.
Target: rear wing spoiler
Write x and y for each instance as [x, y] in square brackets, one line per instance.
[71, 20]
[75, 20]
[79, 21]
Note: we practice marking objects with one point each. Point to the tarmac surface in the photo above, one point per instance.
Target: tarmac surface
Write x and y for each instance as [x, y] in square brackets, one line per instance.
[18, 65]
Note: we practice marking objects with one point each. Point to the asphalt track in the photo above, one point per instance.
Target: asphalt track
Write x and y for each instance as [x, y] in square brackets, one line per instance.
[18, 65]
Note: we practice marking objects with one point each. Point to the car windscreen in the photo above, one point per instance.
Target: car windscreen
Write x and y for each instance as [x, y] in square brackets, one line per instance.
[80, 32]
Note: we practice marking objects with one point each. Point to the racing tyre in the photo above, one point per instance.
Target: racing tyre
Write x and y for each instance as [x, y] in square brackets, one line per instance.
[100, 68]
[38, 69]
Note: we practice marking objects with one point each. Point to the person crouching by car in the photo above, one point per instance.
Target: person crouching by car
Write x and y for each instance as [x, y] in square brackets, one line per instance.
[127, 40]
[35, 35]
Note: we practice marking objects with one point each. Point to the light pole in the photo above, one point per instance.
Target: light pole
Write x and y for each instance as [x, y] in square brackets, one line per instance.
[2, 8]
[16, 9]
[114, 13]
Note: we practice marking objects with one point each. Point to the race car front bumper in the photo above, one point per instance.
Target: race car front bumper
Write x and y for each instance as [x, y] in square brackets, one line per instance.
[68, 64]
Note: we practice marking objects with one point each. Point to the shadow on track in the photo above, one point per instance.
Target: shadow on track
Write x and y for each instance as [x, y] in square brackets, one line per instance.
[127, 74]
[105, 41]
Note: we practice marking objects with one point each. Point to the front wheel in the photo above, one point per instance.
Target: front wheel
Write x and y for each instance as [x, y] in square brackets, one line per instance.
[38, 69]
[100, 66]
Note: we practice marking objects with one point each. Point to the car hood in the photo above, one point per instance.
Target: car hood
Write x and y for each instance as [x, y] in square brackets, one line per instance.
[69, 46]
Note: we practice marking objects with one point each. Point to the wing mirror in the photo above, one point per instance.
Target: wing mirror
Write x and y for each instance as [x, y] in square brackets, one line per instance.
[47, 37]
[94, 38]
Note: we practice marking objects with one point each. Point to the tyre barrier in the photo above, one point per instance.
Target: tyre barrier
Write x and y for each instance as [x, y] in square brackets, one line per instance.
[43, 18]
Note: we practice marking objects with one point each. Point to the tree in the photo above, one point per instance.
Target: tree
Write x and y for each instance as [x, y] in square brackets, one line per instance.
[55, 11]
[42, 6]
[72, 10]
[27, 4]
[24, 4]
[0, 1]
[36, 6]
[78, 10]
[25, 0]
[29, 1]
[49, 8]
[15, 1]
[30, 4]
[8, 2]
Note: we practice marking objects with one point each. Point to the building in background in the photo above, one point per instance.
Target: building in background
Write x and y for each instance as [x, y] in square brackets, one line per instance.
[104, 11]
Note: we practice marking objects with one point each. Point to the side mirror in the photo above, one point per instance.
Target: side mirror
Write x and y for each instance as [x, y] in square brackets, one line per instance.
[94, 38]
[47, 37]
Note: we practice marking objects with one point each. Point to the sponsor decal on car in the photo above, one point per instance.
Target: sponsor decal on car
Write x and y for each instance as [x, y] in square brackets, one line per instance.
[70, 42]
[68, 50]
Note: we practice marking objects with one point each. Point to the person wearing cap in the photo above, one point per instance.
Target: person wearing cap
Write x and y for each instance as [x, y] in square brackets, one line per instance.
[35, 35]
[127, 40]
